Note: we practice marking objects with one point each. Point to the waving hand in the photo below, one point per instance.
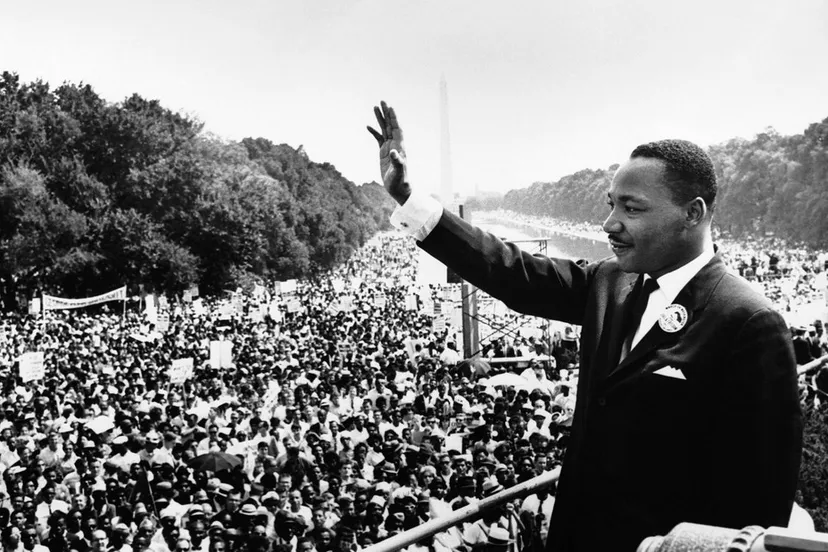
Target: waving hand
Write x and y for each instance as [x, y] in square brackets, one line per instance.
[392, 153]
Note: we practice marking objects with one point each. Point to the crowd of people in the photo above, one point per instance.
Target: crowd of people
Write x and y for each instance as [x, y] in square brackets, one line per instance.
[343, 414]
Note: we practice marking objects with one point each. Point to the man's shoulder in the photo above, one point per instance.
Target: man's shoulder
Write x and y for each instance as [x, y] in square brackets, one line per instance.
[737, 294]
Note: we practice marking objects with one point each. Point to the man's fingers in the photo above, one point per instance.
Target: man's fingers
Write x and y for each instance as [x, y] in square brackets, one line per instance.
[380, 119]
[397, 158]
[391, 117]
[376, 135]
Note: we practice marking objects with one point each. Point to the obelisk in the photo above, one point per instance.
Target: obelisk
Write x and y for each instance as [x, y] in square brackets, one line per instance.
[446, 184]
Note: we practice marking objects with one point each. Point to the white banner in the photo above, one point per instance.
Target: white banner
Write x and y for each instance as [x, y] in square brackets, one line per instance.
[181, 370]
[221, 354]
[31, 366]
[162, 323]
[57, 303]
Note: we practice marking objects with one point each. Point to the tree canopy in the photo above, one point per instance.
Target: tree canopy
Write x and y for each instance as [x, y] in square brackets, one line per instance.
[95, 195]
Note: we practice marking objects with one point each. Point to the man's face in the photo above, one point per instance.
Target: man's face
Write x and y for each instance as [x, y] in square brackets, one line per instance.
[29, 538]
[647, 231]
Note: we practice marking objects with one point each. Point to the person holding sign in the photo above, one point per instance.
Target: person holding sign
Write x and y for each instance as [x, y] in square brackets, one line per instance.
[687, 406]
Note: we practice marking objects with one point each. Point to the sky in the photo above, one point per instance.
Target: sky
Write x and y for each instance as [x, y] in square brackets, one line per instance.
[537, 89]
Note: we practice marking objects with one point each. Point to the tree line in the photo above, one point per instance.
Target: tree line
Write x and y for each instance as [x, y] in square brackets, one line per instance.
[771, 184]
[95, 195]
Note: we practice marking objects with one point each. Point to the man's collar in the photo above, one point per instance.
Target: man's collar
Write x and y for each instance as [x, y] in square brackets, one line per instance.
[673, 282]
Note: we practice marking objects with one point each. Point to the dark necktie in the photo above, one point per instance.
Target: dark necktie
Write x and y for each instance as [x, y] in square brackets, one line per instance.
[633, 320]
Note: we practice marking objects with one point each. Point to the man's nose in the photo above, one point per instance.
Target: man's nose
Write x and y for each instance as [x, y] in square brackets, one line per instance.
[612, 225]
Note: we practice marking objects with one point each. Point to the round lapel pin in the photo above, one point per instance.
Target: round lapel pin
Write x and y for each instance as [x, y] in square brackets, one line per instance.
[673, 318]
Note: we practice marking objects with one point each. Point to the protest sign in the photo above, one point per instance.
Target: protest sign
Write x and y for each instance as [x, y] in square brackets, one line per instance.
[454, 442]
[162, 323]
[198, 307]
[34, 305]
[287, 287]
[181, 370]
[31, 366]
[221, 354]
[411, 302]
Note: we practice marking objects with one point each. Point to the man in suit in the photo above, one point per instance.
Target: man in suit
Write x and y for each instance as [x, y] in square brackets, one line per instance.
[687, 405]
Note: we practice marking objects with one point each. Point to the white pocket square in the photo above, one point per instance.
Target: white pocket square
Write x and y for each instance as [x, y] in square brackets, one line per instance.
[670, 372]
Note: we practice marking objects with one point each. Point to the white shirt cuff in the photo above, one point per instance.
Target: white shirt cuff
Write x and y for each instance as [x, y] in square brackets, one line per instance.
[418, 216]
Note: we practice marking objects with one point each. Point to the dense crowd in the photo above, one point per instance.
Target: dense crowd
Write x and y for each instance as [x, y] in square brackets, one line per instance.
[343, 415]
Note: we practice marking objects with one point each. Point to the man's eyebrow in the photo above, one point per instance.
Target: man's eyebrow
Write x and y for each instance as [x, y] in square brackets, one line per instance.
[626, 198]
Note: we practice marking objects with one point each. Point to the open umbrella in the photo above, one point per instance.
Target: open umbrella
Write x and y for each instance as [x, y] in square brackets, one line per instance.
[101, 424]
[214, 461]
[508, 379]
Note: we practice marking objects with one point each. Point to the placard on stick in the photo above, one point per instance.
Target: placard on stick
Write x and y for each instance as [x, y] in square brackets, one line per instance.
[32, 367]
[181, 370]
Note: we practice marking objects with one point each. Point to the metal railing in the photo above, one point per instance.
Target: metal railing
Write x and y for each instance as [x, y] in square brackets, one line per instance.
[467, 513]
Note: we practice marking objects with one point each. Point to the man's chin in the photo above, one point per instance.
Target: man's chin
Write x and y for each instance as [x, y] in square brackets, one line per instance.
[627, 263]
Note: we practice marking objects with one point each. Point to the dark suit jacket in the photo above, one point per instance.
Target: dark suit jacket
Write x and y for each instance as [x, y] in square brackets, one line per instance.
[721, 447]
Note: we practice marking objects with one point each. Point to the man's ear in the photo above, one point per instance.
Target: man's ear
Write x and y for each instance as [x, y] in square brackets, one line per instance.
[696, 212]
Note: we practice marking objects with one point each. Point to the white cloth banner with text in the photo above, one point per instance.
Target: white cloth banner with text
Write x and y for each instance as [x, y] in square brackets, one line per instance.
[57, 303]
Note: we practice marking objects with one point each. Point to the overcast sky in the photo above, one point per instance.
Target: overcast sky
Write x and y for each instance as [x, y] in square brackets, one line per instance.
[537, 89]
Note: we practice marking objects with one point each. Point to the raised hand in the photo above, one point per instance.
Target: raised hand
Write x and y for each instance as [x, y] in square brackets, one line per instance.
[392, 153]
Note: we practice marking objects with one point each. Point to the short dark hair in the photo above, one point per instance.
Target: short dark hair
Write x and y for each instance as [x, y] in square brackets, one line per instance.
[688, 168]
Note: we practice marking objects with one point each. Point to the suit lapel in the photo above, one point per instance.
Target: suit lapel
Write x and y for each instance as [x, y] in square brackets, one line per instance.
[613, 331]
[693, 297]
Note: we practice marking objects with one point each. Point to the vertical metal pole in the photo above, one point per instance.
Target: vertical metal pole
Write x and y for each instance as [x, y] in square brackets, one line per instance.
[471, 331]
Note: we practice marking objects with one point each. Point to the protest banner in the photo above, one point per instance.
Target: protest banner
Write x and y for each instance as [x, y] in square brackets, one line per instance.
[287, 287]
[181, 370]
[34, 305]
[221, 354]
[454, 442]
[226, 310]
[411, 302]
[32, 367]
[294, 306]
[439, 324]
[162, 323]
[50, 302]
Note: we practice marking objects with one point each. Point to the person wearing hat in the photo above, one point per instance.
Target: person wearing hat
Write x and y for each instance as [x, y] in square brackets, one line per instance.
[121, 456]
[119, 537]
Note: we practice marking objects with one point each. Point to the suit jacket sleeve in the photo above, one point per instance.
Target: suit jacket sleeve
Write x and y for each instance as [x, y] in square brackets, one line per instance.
[531, 284]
